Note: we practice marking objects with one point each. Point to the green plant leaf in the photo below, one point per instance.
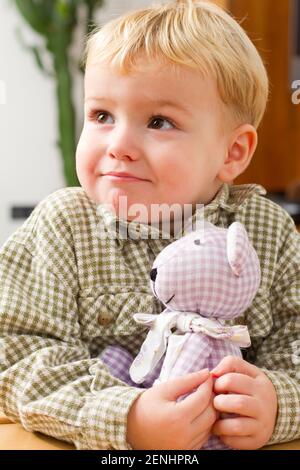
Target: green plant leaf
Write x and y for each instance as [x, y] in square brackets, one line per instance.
[55, 20]
[35, 12]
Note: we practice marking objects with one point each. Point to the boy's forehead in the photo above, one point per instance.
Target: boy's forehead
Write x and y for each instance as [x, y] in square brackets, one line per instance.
[151, 75]
[153, 84]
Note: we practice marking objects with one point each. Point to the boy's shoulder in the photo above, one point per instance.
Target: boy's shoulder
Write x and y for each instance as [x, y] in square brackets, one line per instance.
[62, 212]
[69, 200]
[67, 205]
[261, 216]
[253, 201]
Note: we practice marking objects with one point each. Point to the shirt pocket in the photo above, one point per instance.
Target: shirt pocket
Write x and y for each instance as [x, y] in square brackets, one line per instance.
[110, 312]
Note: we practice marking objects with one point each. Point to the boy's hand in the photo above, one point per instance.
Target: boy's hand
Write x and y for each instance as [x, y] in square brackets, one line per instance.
[157, 421]
[244, 389]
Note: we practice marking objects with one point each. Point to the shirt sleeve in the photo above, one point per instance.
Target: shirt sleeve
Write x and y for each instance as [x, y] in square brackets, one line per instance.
[279, 353]
[48, 380]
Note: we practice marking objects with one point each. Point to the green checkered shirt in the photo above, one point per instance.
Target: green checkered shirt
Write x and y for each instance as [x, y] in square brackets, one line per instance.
[66, 293]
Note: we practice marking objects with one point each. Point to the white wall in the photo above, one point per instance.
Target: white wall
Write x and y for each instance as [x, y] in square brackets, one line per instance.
[30, 162]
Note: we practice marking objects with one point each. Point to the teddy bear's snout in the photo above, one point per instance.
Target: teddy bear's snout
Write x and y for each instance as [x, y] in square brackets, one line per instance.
[153, 274]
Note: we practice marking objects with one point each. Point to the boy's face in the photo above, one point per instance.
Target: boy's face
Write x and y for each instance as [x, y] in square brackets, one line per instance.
[176, 150]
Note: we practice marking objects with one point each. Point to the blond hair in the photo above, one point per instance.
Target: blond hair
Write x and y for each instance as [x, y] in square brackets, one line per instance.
[196, 34]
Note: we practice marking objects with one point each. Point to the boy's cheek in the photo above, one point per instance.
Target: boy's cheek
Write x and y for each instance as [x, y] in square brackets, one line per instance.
[87, 158]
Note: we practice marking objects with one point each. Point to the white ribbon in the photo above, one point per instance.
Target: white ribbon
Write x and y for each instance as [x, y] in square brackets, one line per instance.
[156, 342]
[237, 334]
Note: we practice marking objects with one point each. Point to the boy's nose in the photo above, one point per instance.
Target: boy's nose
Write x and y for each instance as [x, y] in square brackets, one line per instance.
[124, 145]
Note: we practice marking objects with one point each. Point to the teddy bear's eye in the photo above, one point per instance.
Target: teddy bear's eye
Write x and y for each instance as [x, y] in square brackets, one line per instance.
[197, 242]
[153, 274]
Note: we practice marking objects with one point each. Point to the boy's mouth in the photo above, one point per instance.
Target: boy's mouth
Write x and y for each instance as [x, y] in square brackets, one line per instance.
[122, 176]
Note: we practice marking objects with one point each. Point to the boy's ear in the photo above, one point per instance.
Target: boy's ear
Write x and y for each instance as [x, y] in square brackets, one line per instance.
[241, 147]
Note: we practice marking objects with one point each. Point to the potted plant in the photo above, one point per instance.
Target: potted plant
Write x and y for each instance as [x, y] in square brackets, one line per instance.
[56, 21]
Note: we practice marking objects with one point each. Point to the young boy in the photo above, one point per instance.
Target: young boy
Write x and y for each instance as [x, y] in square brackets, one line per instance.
[66, 292]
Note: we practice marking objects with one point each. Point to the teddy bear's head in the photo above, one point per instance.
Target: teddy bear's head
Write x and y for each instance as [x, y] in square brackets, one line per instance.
[214, 272]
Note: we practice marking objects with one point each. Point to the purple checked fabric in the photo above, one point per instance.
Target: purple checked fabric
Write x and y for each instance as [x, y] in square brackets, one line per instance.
[204, 279]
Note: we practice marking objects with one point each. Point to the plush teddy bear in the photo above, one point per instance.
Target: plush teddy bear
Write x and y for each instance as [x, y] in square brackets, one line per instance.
[203, 279]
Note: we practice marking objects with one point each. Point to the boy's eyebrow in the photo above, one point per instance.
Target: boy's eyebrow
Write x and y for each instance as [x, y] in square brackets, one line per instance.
[153, 102]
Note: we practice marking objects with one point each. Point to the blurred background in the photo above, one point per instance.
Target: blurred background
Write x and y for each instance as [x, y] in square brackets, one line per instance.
[41, 96]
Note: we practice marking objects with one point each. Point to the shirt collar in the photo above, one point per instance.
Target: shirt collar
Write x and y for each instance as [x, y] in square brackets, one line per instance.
[232, 197]
[229, 198]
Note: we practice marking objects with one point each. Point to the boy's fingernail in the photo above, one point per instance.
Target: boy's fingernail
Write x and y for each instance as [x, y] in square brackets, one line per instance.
[214, 374]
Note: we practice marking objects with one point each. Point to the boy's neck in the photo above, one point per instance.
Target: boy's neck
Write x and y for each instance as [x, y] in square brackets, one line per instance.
[180, 221]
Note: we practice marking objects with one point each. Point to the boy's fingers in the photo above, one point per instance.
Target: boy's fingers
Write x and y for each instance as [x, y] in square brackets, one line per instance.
[198, 401]
[174, 388]
[201, 427]
[205, 421]
[241, 443]
[234, 383]
[235, 364]
[240, 427]
[240, 404]
[200, 441]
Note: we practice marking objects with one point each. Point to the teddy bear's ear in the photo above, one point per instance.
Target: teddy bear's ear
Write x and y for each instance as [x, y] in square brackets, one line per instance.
[237, 247]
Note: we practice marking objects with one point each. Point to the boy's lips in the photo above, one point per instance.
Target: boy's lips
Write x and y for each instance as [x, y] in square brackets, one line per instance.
[123, 176]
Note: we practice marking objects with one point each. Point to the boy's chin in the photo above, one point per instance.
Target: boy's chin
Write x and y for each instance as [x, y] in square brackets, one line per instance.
[125, 207]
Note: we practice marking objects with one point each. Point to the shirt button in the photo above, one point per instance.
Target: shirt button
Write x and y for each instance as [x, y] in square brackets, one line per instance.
[105, 318]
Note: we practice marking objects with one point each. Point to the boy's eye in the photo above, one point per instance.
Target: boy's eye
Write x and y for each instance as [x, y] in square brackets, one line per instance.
[99, 117]
[156, 120]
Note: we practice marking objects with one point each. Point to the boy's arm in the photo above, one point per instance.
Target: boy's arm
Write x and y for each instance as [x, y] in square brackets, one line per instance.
[48, 382]
[279, 354]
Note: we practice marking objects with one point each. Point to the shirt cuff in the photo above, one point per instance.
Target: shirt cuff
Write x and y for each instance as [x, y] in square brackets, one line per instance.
[105, 419]
[287, 426]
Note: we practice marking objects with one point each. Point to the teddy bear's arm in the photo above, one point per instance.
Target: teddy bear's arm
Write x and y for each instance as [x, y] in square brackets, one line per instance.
[153, 347]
